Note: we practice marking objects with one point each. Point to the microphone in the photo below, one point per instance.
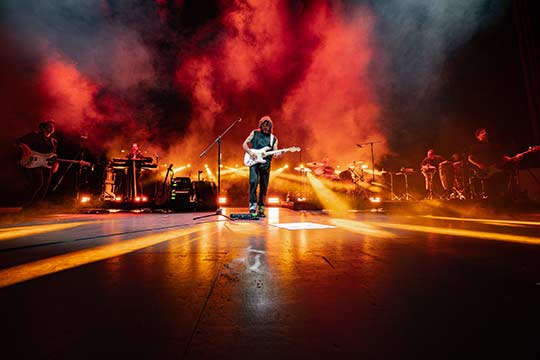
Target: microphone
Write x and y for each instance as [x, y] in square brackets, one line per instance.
[239, 119]
[170, 167]
[359, 145]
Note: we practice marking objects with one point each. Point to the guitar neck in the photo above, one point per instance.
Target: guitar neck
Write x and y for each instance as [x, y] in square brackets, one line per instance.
[81, 162]
[273, 152]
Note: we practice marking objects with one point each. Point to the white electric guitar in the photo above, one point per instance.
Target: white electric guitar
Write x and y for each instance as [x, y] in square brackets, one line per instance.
[37, 159]
[259, 154]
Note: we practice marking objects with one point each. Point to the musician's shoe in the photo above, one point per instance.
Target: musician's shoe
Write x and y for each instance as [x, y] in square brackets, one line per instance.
[252, 208]
[260, 211]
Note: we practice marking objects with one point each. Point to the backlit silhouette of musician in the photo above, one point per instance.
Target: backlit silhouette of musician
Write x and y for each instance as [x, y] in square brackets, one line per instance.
[429, 167]
[490, 176]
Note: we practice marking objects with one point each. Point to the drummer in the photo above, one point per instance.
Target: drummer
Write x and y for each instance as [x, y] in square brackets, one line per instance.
[429, 167]
[323, 169]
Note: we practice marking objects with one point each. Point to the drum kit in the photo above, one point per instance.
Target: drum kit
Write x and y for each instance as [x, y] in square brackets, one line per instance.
[354, 172]
[351, 179]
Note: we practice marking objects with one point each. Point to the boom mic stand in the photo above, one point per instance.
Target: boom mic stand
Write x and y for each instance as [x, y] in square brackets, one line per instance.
[370, 143]
[219, 211]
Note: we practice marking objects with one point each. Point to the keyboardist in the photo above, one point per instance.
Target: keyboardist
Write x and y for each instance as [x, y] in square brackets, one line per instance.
[133, 164]
[134, 153]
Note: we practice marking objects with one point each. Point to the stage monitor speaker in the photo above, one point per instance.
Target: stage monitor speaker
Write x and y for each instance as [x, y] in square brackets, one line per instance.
[205, 195]
[181, 194]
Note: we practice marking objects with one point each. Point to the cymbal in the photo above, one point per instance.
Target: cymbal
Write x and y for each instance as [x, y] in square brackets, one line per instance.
[315, 164]
[302, 169]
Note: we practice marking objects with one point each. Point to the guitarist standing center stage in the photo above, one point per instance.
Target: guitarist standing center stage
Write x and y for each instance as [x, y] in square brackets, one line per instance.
[259, 174]
[489, 162]
[43, 142]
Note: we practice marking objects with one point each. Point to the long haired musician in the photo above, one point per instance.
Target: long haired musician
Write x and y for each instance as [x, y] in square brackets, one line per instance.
[39, 178]
[259, 174]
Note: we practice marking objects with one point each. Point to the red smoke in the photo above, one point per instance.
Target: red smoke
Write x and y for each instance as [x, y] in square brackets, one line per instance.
[310, 76]
[72, 95]
[305, 67]
[81, 107]
[334, 104]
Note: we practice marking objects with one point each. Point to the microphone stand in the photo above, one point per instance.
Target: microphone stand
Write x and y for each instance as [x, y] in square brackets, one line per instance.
[219, 211]
[370, 143]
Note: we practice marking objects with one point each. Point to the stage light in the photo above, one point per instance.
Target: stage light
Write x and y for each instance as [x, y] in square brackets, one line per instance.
[117, 198]
[222, 200]
[375, 200]
[364, 166]
[274, 200]
[180, 168]
[85, 199]
[144, 198]
[329, 199]
[236, 166]
[137, 199]
[286, 166]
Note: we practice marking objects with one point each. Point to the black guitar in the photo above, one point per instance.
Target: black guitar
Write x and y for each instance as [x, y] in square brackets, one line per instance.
[489, 171]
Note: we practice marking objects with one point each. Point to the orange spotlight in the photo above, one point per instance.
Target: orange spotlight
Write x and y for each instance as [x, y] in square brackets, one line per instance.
[222, 200]
[85, 199]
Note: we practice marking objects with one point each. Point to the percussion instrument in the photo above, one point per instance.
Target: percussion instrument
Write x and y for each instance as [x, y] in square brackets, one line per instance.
[446, 173]
[302, 169]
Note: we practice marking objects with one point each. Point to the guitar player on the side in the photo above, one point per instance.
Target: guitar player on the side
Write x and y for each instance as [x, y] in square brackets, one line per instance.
[39, 177]
[259, 174]
[491, 175]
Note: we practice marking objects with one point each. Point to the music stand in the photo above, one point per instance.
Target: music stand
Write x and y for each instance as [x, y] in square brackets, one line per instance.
[219, 211]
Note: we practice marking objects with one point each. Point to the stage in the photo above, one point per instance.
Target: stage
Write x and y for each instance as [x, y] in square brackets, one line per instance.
[296, 284]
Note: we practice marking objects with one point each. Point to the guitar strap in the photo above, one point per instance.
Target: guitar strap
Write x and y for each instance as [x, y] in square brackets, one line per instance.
[272, 138]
